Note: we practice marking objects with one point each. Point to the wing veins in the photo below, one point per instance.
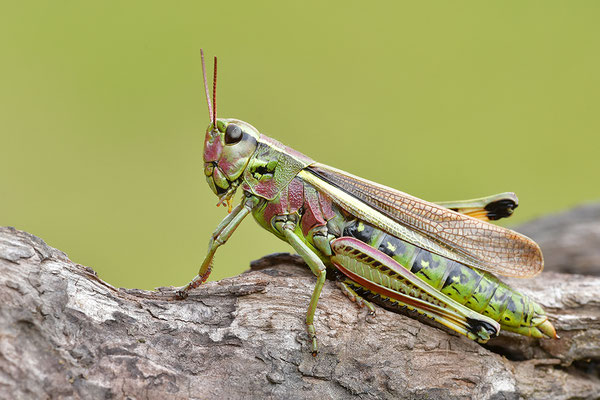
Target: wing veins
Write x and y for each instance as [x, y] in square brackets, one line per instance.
[471, 241]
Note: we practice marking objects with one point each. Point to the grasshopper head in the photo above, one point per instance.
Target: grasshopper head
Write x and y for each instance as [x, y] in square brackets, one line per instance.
[231, 156]
[228, 146]
[227, 150]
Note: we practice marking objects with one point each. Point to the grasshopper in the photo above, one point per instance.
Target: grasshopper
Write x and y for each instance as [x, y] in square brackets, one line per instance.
[380, 244]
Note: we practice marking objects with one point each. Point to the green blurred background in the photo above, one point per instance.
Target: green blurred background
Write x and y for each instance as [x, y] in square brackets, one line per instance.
[102, 113]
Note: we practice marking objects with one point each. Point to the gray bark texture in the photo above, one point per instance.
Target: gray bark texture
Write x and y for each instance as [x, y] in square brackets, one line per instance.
[65, 333]
[570, 241]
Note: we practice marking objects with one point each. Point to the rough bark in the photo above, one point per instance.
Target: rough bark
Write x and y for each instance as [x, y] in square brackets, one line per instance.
[570, 240]
[64, 333]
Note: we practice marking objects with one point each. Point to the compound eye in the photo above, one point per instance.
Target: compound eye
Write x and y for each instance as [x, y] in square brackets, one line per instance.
[233, 134]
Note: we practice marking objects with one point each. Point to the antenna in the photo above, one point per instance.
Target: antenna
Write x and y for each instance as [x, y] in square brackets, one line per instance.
[210, 107]
[214, 107]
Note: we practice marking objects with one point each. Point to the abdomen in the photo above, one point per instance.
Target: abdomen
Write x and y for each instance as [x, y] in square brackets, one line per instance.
[480, 291]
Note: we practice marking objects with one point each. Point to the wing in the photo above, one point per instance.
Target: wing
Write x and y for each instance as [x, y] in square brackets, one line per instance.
[430, 226]
[489, 208]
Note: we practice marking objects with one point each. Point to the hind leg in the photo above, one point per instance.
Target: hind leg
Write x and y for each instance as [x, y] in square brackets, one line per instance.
[355, 297]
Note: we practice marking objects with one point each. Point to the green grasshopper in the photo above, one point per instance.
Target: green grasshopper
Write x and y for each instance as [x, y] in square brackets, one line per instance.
[379, 243]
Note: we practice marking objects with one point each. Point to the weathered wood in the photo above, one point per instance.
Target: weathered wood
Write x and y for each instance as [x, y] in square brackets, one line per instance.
[570, 240]
[64, 333]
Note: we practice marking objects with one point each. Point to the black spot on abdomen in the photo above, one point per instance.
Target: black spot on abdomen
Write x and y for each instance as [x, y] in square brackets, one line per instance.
[423, 257]
[359, 230]
[392, 246]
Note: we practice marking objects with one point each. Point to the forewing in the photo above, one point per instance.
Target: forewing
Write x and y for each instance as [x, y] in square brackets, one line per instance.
[459, 237]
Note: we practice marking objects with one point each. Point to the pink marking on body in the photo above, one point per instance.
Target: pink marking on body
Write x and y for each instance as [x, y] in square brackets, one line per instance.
[295, 195]
[313, 216]
[272, 209]
[326, 208]
[266, 188]
[226, 165]
[212, 147]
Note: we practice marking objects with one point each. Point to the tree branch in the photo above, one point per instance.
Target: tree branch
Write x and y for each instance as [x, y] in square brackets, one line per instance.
[66, 333]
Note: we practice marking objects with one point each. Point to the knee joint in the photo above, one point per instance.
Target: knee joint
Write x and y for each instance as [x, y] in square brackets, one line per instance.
[284, 222]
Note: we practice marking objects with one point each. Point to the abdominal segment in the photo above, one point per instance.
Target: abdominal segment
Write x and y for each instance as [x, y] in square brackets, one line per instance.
[480, 291]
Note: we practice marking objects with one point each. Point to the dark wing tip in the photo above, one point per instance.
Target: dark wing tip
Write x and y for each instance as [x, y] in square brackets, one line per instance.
[500, 209]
